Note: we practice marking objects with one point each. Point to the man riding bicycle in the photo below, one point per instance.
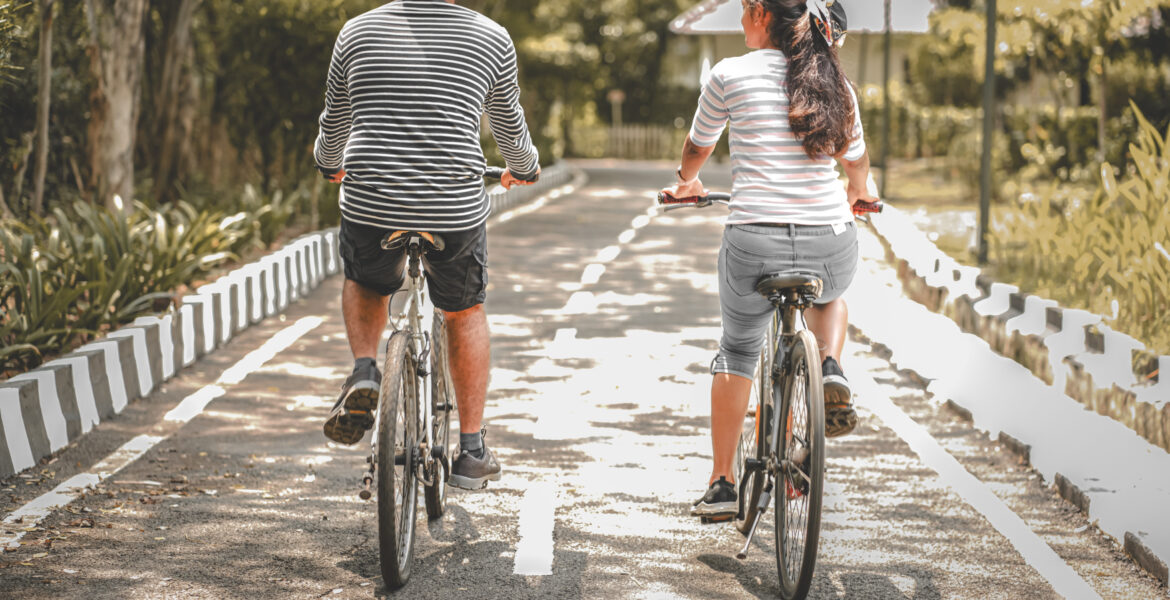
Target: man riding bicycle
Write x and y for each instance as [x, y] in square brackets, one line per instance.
[407, 87]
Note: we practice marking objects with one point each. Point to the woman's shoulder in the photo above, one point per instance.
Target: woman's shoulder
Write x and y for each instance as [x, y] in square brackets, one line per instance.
[752, 62]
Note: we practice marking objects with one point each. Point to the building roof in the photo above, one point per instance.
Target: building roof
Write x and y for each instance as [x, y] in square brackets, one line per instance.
[712, 17]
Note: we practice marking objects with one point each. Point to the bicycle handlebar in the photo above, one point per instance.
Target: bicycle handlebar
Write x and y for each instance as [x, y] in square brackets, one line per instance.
[707, 199]
[493, 172]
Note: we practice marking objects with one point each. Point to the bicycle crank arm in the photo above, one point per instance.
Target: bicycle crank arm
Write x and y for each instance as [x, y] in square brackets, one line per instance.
[765, 497]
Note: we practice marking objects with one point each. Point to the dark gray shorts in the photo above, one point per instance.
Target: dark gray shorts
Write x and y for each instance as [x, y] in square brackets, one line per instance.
[751, 251]
[456, 277]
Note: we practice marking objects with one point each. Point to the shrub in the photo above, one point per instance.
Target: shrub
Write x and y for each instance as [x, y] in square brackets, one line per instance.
[1107, 254]
[80, 272]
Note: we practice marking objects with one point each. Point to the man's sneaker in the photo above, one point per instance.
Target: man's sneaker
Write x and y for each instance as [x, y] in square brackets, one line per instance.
[840, 418]
[353, 414]
[474, 471]
[719, 501]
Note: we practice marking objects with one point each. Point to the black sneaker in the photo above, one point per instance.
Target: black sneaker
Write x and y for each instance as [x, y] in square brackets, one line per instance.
[719, 501]
[840, 418]
[474, 471]
[353, 414]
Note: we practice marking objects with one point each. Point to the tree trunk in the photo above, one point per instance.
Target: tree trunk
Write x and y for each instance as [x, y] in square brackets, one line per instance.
[116, 45]
[44, 91]
[5, 213]
[169, 99]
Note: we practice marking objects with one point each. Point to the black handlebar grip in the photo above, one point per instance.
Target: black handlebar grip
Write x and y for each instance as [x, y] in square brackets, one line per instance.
[493, 172]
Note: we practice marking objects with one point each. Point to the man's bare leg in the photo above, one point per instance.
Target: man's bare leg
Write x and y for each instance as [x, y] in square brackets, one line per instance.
[470, 352]
[365, 314]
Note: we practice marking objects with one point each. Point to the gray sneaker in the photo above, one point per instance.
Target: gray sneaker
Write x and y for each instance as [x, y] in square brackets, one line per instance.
[470, 472]
[354, 412]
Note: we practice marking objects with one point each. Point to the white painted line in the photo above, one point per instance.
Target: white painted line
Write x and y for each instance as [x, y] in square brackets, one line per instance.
[1063, 579]
[34, 512]
[608, 254]
[137, 335]
[12, 419]
[534, 552]
[191, 406]
[592, 274]
[82, 389]
[51, 414]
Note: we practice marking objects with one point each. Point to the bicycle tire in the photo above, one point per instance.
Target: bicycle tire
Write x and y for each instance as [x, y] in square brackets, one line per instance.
[798, 511]
[442, 405]
[397, 484]
[753, 441]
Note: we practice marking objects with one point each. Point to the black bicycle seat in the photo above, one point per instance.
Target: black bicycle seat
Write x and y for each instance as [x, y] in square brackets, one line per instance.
[806, 285]
[399, 239]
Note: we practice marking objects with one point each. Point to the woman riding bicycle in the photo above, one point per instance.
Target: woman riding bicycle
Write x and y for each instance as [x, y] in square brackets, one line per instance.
[793, 114]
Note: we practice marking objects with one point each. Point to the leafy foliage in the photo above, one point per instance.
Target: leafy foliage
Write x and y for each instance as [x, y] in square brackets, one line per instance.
[84, 270]
[1108, 249]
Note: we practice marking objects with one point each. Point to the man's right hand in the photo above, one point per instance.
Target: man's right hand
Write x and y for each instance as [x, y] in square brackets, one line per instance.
[508, 180]
[335, 177]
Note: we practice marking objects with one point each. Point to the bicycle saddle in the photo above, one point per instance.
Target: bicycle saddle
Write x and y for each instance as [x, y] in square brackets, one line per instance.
[398, 239]
[807, 285]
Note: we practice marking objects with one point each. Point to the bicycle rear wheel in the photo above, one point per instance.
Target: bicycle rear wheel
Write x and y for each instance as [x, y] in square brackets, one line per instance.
[397, 445]
[753, 441]
[442, 405]
[800, 482]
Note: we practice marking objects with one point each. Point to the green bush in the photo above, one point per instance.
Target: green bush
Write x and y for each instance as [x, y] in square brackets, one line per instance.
[81, 272]
[1106, 254]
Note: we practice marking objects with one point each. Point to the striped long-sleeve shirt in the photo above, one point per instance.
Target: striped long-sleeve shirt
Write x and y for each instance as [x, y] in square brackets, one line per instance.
[774, 181]
[407, 87]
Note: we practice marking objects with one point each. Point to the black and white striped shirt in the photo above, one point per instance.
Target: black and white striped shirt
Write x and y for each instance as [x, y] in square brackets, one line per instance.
[407, 87]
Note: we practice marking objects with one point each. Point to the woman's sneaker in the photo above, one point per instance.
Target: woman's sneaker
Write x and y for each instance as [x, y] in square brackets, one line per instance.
[721, 500]
[353, 414]
[840, 417]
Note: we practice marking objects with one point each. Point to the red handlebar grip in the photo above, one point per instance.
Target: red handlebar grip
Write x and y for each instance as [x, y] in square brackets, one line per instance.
[861, 207]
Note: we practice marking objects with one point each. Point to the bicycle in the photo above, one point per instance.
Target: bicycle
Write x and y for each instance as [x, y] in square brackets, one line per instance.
[783, 443]
[412, 431]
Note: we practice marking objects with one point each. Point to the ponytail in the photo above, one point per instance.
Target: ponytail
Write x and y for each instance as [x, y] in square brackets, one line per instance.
[820, 107]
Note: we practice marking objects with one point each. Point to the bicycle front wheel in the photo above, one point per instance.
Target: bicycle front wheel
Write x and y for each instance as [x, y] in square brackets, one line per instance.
[800, 480]
[443, 404]
[397, 445]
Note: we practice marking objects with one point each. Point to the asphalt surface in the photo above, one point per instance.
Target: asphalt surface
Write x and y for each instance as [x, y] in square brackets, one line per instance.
[604, 319]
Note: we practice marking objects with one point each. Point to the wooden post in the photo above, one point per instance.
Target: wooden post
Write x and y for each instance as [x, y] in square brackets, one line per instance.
[988, 132]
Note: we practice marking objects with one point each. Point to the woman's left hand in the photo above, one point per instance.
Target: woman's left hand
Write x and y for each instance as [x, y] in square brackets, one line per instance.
[685, 190]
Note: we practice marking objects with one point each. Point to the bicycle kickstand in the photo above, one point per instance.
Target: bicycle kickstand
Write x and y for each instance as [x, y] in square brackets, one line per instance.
[765, 497]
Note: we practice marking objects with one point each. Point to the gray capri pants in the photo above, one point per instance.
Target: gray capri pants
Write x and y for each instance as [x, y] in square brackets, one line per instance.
[751, 251]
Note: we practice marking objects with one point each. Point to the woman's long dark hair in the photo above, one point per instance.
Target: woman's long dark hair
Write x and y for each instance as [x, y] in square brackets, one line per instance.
[820, 109]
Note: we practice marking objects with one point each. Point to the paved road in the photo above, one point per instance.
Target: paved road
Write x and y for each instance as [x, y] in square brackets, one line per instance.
[603, 319]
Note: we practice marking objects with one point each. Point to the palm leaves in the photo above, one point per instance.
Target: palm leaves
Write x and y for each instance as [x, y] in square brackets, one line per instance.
[1104, 249]
[86, 270]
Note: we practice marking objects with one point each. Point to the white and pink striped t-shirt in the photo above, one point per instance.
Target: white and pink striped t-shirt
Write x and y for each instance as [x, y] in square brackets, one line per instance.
[774, 180]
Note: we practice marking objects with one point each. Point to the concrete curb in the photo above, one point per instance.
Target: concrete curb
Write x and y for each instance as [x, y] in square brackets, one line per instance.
[1107, 371]
[1065, 348]
[46, 409]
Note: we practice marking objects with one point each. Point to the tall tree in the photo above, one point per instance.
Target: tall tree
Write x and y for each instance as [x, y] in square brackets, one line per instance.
[168, 101]
[44, 93]
[116, 46]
